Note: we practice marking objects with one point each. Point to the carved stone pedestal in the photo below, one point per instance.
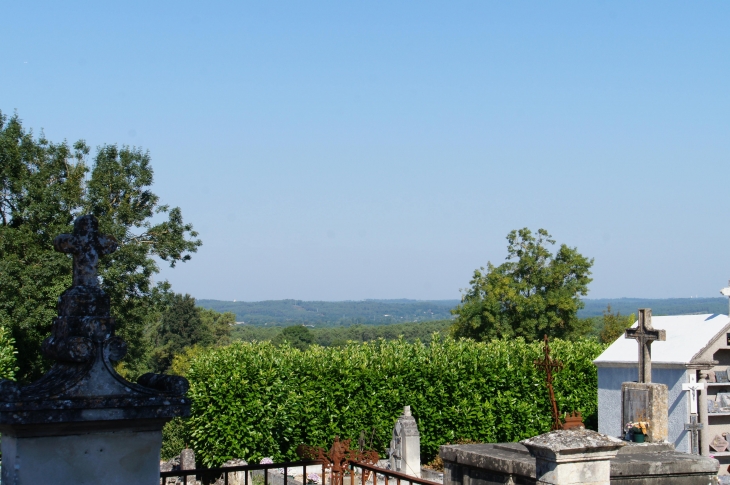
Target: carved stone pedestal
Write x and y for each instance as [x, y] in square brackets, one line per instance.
[646, 402]
[577, 456]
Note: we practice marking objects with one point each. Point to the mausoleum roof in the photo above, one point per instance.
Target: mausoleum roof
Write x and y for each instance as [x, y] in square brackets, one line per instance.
[687, 337]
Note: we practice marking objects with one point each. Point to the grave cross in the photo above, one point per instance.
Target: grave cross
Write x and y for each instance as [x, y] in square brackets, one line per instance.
[547, 364]
[86, 245]
[694, 427]
[692, 386]
[645, 334]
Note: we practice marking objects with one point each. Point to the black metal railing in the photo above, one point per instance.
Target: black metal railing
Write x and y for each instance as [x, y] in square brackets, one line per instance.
[368, 473]
[395, 477]
[210, 475]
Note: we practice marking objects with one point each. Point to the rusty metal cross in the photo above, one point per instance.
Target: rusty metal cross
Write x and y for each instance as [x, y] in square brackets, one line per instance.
[645, 334]
[547, 364]
[87, 246]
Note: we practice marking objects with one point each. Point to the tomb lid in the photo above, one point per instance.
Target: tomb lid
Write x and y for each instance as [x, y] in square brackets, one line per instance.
[573, 441]
[687, 337]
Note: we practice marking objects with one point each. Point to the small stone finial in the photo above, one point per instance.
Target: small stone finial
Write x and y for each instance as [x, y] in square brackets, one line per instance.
[87, 246]
[406, 411]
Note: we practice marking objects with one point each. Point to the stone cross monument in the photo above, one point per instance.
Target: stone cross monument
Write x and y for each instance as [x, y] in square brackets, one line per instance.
[645, 334]
[82, 423]
[694, 427]
[405, 447]
[644, 400]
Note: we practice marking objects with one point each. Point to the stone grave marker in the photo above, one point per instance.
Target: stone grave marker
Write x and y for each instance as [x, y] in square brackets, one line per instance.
[644, 400]
[405, 447]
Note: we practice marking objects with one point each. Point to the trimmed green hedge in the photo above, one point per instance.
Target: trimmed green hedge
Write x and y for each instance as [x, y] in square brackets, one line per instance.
[252, 400]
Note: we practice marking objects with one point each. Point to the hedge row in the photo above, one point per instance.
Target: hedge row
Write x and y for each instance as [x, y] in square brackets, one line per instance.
[252, 400]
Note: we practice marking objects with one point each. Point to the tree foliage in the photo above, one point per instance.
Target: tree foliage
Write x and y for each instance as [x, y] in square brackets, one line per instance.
[251, 400]
[614, 324]
[183, 325]
[218, 325]
[337, 336]
[535, 292]
[8, 355]
[45, 186]
[297, 336]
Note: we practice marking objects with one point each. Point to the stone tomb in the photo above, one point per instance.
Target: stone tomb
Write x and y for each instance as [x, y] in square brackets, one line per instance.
[580, 457]
[692, 343]
[82, 423]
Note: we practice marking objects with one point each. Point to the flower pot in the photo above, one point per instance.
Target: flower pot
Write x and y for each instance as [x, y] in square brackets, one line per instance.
[637, 436]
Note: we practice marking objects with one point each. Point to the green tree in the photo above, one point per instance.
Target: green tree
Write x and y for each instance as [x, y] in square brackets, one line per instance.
[44, 187]
[298, 336]
[184, 328]
[179, 328]
[614, 325]
[535, 292]
[218, 325]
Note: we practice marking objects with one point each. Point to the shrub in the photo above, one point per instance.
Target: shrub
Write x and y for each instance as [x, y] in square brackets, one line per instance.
[8, 354]
[252, 400]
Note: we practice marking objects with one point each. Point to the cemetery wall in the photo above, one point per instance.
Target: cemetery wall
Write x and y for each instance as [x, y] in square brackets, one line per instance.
[252, 400]
[610, 379]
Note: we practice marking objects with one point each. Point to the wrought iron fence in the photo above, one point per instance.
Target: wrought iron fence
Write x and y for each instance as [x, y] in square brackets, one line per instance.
[243, 474]
[341, 461]
[370, 473]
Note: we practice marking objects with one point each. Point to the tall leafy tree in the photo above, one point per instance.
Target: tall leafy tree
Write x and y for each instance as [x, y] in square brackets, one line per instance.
[183, 326]
[44, 187]
[298, 336]
[180, 327]
[219, 325]
[613, 325]
[535, 292]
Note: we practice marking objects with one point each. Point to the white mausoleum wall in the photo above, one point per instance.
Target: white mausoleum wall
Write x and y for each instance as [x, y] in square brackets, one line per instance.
[609, 400]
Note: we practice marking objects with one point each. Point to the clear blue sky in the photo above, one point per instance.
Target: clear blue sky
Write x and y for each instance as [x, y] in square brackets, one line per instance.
[351, 150]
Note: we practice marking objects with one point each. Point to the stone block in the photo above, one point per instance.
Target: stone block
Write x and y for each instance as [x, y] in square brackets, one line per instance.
[111, 458]
[646, 402]
[575, 456]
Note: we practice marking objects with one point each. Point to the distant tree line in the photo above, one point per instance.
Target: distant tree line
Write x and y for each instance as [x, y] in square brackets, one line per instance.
[333, 313]
[338, 336]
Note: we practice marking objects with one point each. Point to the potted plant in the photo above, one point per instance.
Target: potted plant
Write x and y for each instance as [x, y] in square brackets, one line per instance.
[638, 430]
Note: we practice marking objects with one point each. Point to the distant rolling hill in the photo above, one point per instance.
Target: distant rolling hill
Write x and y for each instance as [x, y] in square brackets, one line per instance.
[387, 312]
[333, 313]
[667, 306]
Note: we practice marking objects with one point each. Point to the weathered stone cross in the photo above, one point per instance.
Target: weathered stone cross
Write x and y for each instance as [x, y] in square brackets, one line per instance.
[645, 334]
[693, 426]
[87, 246]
